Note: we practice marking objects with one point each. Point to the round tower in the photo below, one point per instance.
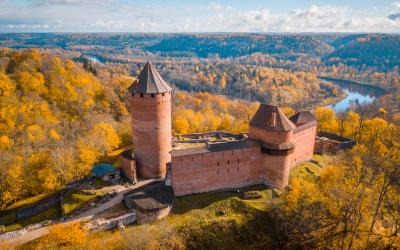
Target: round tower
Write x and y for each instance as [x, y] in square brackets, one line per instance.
[150, 103]
[274, 130]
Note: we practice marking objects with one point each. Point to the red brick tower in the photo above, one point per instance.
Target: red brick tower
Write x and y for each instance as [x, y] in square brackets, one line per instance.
[275, 132]
[151, 123]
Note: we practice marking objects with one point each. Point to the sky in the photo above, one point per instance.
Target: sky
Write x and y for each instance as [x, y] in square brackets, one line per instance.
[199, 16]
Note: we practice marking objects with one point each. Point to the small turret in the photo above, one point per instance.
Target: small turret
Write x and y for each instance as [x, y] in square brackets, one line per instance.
[274, 130]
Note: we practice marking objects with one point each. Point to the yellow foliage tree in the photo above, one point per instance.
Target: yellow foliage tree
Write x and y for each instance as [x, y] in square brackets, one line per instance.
[326, 120]
[107, 133]
[5, 142]
[7, 87]
[35, 133]
[180, 125]
[63, 236]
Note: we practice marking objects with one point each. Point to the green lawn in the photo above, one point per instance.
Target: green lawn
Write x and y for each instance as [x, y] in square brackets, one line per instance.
[308, 170]
[305, 170]
[9, 217]
[12, 224]
[27, 201]
[74, 199]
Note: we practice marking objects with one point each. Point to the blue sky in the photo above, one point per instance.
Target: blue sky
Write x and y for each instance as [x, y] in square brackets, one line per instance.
[199, 16]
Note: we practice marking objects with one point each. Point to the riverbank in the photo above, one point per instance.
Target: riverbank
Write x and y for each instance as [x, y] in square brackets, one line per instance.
[326, 78]
[356, 93]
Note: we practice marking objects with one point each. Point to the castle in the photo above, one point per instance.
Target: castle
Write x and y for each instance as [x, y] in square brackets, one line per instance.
[197, 163]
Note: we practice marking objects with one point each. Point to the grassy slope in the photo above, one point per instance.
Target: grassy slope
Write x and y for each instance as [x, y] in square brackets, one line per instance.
[215, 220]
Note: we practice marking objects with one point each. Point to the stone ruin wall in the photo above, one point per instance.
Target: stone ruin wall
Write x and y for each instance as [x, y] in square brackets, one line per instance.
[148, 216]
[211, 171]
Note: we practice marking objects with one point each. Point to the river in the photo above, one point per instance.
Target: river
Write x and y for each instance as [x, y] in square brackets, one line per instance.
[356, 93]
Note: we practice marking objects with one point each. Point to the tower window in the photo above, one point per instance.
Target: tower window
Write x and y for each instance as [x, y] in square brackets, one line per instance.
[163, 94]
[133, 94]
[217, 163]
[152, 95]
[228, 162]
[238, 160]
[141, 95]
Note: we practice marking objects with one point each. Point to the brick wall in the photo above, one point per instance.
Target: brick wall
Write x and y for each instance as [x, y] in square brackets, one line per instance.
[216, 170]
[151, 131]
[304, 149]
[128, 167]
[276, 169]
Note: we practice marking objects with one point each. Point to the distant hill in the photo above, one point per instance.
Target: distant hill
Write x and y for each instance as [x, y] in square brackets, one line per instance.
[339, 42]
[381, 51]
[234, 45]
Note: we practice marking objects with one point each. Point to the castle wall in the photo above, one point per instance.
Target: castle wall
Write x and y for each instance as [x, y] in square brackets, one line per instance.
[198, 173]
[276, 169]
[128, 167]
[151, 128]
[304, 149]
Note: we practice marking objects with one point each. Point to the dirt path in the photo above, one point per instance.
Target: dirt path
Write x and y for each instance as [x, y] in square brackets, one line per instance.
[87, 215]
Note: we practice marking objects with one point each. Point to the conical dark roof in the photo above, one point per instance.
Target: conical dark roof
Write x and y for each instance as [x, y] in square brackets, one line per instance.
[303, 117]
[149, 81]
[270, 117]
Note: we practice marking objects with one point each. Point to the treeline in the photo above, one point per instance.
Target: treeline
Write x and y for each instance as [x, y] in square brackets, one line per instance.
[234, 45]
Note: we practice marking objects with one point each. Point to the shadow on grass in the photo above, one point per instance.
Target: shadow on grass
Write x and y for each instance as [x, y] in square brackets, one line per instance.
[199, 201]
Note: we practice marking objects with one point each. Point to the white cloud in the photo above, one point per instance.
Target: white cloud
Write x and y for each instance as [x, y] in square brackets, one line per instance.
[395, 15]
[396, 5]
[215, 6]
[72, 2]
[120, 16]
[219, 7]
